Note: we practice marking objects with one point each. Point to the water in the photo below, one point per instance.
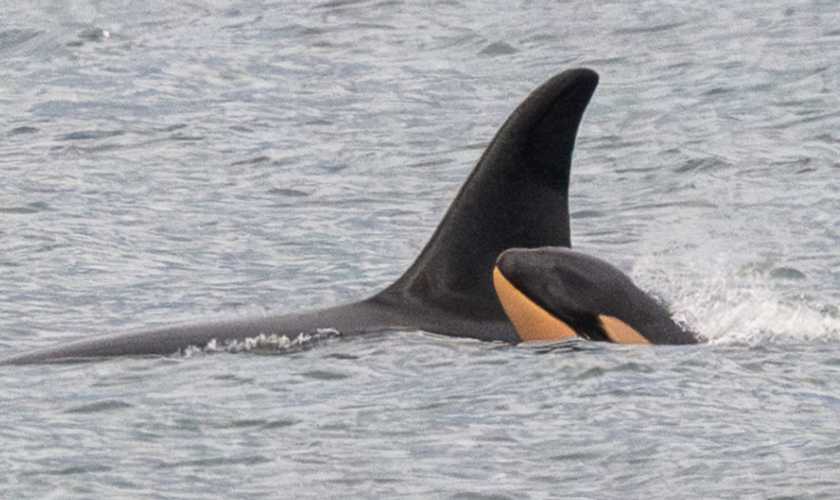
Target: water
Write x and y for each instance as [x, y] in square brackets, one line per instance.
[167, 162]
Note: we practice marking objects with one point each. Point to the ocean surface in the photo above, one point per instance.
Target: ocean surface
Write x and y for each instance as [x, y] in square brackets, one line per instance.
[170, 161]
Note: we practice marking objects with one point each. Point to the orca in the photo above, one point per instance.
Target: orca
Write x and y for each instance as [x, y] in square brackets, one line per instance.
[515, 197]
[557, 293]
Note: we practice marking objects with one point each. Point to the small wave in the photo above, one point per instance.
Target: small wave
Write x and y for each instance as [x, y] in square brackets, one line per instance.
[29, 208]
[656, 28]
[100, 406]
[14, 38]
[498, 49]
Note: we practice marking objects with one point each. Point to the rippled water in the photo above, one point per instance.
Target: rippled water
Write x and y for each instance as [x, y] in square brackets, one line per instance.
[167, 161]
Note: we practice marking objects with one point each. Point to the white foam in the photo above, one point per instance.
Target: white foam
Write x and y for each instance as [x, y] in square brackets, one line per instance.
[263, 343]
[725, 312]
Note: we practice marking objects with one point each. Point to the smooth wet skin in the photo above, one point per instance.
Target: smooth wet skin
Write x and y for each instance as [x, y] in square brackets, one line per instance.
[516, 197]
[552, 293]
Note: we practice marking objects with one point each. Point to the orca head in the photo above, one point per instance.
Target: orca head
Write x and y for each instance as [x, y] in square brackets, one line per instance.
[555, 292]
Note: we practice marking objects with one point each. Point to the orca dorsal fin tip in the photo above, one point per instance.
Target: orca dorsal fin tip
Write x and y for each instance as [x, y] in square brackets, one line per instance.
[516, 196]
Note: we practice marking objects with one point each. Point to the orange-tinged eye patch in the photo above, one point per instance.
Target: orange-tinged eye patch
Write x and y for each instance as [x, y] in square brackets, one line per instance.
[531, 321]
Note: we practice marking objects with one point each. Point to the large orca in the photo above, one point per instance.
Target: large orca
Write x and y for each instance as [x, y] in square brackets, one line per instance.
[555, 293]
[516, 197]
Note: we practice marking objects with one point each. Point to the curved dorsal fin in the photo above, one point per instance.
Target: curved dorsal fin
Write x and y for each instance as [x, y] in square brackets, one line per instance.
[517, 196]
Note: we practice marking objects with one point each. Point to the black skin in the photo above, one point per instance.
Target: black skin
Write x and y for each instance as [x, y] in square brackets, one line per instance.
[517, 196]
[576, 288]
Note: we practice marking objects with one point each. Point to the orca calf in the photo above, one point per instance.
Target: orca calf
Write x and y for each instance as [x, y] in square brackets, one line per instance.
[556, 293]
[515, 197]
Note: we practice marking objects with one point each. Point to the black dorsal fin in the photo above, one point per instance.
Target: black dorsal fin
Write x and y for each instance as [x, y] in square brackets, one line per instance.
[517, 196]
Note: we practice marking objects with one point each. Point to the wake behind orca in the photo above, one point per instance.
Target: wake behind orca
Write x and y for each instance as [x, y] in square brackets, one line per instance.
[515, 197]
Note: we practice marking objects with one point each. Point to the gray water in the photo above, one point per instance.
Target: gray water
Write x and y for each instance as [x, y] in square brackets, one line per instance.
[166, 162]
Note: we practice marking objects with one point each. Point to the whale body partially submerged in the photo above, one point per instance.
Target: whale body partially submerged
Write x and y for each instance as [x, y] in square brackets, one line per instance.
[554, 293]
[515, 197]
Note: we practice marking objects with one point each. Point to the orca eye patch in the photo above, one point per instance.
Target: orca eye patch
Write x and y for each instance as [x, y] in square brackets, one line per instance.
[531, 321]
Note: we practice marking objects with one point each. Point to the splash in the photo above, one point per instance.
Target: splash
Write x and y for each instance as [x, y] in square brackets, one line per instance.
[265, 344]
[723, 311]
